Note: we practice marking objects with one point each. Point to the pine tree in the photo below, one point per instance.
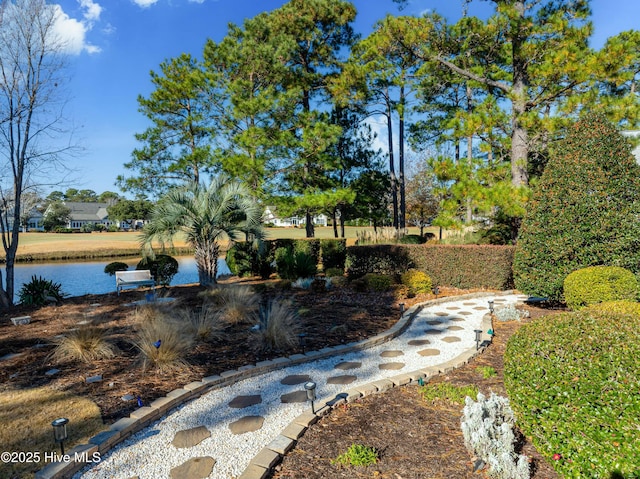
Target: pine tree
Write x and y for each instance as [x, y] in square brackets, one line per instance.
[584, 212]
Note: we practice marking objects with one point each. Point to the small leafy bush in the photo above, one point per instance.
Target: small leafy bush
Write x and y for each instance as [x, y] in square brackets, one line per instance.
[293, 265]
[40, 291]
[616, 307]
[412, 239]
[333, 253]
[163, 268]
[331, 272]
[417, 282]
[487, 427]
[596, 284]
[250, 258]
[510, 313]
[278, 327]
[378, 282]
[357, 455]
[573, 382]
[302, 283]
[487, 371]
[85, 344]
[111, 268]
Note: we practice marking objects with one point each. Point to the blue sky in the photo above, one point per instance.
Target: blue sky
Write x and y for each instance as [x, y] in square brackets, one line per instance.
[114, 44]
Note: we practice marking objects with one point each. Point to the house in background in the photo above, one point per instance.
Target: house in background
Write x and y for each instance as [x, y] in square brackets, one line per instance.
[633, 134]
[270, 216]
[87, 214]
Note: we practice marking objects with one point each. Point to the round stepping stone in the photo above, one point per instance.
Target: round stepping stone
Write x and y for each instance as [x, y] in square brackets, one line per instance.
[391, 353]
[240, 402]
[465, 313]
[346, 379]
[390, 366]
[295, 379]
[432, 331]
[457, 319]
[480, 308]
[453, 308]
[347, 365]
[190, 437]
[499, 300]
[418, 342]
[295, 396]
[246, 424]
[451, 339]
[435, 322]
[442, 313]
[194, 468]
[469, 303]
[455, 328]
[429, 352]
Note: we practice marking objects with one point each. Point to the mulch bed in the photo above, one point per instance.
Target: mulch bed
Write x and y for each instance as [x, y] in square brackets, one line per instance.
[416, 439]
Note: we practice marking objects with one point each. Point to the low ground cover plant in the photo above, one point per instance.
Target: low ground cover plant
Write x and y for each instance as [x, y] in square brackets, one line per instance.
[448, 392]
[573, 382]
[357, 455]
[596, 284]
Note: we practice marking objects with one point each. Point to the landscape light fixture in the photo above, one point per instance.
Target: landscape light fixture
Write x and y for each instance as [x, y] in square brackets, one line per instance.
[401, 308]
[436, 291]
[60, 431]
[310, 387]
[491, 306]
[478, 337]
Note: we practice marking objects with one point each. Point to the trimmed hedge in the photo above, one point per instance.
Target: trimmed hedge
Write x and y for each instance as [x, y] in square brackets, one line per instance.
[459, 266]
[333, 253]
[596, 284]
[573, 383]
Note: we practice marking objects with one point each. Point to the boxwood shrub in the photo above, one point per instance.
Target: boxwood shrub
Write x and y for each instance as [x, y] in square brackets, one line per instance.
[596, 284]
[416, 282]
[573, 383]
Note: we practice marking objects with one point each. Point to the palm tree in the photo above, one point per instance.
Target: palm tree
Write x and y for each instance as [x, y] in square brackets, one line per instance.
[225, 210]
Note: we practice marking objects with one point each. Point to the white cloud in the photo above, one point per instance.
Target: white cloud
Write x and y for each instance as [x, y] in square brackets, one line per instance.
[71, 33]
[92, 10]
[144, 3]
[196, 1]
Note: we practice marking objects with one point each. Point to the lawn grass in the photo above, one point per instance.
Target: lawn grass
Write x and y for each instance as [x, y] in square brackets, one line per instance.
[26, 417]
[34, 246]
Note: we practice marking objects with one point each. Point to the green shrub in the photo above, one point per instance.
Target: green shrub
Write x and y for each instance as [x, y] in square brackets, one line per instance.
[331, 272]
[357, 455]
[417, 282]
[62, 229]
[597, 284]
[293, 265]
[111, 268]
[412, 239]
[583, 212]
[573, 383]
[378, 282]
[616, 307]
[40, 291]
[163, 268]
[333, 253]
[466, 266]
[250, 258]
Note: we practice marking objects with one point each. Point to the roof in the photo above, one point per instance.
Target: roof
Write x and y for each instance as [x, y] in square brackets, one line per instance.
[87, 211]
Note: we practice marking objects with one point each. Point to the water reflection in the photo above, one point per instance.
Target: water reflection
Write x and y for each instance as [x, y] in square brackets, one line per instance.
[88, 277]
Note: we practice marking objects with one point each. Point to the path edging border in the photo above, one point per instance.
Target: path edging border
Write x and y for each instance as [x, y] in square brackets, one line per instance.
[117, 432]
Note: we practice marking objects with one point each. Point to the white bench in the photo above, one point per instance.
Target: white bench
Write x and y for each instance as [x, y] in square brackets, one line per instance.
[141, 277]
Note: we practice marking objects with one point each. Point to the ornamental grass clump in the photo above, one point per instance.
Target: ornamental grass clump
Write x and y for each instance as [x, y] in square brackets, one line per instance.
[85, 344]
[238, 304]
[488, 430]
[597, 284]
[573, 382]
[164, 339]
[278, 327]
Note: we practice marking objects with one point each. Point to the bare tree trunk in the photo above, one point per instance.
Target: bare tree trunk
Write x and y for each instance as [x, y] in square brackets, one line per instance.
[309, 228]
[335, 224]
[403, 207]
[392, 168]
[206, 256]
[519, 134]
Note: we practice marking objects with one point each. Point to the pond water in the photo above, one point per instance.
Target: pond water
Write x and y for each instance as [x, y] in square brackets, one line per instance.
[80, 278]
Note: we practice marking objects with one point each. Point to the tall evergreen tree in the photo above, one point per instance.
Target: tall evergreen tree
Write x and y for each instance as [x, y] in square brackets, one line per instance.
[584, 211]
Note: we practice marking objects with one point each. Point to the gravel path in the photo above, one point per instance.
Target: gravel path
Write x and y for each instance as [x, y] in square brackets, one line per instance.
[439, 333]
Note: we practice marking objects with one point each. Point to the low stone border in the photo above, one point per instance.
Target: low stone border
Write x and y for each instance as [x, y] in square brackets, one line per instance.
[261, 466]
[269, 456]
